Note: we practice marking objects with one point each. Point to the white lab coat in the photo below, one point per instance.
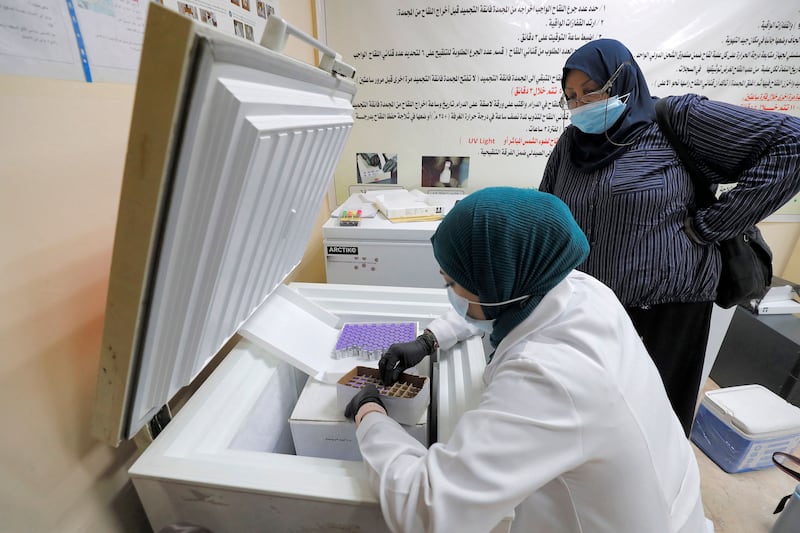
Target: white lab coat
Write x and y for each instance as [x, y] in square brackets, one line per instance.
[574, 433]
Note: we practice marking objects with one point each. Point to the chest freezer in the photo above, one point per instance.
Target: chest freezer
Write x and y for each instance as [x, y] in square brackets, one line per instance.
[381, 252]
[231, 149]
[226, 459]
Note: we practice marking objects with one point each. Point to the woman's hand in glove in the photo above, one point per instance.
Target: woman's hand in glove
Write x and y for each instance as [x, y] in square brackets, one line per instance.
[367, 395]
[403, 355]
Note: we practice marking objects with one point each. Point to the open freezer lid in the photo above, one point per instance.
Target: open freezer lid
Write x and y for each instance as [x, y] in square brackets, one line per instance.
[231, 150]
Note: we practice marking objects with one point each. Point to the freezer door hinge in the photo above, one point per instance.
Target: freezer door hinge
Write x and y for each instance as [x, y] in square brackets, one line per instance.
[150, 431]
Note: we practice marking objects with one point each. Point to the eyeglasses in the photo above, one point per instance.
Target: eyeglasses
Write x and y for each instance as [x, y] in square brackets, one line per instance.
[594, 96]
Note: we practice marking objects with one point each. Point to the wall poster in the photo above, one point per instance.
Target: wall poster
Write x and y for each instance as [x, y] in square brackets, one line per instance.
[478, 84]
[101, 40]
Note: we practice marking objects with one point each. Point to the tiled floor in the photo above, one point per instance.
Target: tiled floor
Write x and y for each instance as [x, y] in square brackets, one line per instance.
[741, 503]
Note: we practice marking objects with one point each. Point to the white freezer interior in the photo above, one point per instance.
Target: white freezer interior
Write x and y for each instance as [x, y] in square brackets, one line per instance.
[225, 461]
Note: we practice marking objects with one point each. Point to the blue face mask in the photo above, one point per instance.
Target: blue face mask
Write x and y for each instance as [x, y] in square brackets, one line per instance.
[461, 305]
[597, 117]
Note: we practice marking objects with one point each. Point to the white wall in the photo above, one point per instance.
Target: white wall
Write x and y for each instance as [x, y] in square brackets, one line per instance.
[62, 152]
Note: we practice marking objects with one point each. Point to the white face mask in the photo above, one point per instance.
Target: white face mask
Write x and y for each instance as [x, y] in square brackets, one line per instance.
[461, 305]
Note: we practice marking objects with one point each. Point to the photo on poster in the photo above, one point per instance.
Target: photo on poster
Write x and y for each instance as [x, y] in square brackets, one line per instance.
[208, 17]
[445, 171]
[238, 28]
[376, 167]
[188, 10]
[263, 9]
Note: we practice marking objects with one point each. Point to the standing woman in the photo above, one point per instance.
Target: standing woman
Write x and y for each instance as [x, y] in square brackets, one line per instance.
[636, 203]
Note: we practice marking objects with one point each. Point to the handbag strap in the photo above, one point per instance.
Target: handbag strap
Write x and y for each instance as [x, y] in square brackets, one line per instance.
[782, 460]
[704, 195]
[785, 458]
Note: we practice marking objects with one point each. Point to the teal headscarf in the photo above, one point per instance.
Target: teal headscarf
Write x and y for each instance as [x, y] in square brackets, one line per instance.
[504, 242]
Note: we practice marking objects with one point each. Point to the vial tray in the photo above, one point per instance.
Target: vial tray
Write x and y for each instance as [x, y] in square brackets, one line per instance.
[405, 401]
[408, 386]
[368, 341]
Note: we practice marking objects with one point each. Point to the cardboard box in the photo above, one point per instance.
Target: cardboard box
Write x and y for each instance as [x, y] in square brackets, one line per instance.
[740, 428]
[319, 428]
[405, 401]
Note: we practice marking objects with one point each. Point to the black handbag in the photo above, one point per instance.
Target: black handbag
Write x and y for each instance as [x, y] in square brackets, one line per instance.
[746, 271]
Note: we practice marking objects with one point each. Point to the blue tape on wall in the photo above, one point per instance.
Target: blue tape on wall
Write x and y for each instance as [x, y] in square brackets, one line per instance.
[81, 48]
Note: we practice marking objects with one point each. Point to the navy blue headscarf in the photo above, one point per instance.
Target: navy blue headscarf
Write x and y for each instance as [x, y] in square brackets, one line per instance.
[599, 60]
[502, 243]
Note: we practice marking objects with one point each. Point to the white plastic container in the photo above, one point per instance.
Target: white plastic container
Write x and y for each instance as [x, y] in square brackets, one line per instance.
[320, 429]
[740, 428]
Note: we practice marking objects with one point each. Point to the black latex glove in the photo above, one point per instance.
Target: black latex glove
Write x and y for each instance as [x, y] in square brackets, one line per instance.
[368, 393]
[403, 355]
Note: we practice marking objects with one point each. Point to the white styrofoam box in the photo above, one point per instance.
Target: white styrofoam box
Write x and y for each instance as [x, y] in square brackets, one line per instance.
[401, 403]
[320, 429]
[304, 334]
[298, 331]
[740, 428]
[401, 203]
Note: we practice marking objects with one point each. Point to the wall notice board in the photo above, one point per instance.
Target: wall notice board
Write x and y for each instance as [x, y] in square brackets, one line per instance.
[101, 40]
[478, 84]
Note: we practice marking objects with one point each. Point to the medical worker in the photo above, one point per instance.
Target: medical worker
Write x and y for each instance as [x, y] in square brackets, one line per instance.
[573, 432]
